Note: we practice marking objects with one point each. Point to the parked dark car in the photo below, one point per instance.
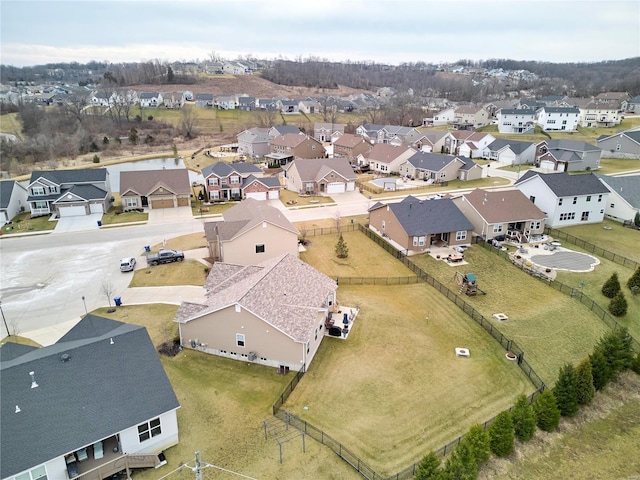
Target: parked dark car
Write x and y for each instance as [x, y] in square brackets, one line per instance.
[165, 256]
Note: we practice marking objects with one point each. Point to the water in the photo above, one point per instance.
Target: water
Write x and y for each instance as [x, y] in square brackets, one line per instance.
[153, 164]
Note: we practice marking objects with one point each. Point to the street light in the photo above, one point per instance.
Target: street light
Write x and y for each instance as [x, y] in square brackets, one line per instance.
[4, 320]
[85, 306]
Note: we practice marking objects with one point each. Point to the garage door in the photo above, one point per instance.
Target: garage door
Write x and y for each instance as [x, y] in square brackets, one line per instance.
[274, 194]
[336, 187]
[162, 203]
[96, 208]
[546, 164]
[351, 186]
[183, 202]
[257, 195]
[72, 211]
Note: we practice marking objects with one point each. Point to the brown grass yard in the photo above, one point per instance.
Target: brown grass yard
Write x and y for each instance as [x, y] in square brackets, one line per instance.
[395, 389]
[551, 327]
[189, 272]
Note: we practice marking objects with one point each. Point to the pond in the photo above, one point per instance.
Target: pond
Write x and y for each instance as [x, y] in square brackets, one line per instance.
[152, 164]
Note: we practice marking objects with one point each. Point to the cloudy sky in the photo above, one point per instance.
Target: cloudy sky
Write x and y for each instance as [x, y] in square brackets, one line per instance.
[390, 31]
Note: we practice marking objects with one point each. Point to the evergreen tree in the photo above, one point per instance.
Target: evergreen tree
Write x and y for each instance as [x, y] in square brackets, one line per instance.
[342, 251]
[584, 382]
[634, 282]
[600, 370]
[616, 347]
[566, 391]
[429, 468]
[461, 464]
[636, 219]
[478, 440]
[524, 420]
[501, 434]
[612, 286]
[635, 366]
[547, 411]
[618, 305]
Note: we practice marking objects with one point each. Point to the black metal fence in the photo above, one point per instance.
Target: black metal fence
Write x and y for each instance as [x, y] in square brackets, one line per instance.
[590, 247]
[377, 280]
[572, 292]
[312, 232]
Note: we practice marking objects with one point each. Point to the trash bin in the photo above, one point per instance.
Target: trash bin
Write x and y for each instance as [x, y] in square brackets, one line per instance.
[118, 301]
[147, 248]
[99, 223]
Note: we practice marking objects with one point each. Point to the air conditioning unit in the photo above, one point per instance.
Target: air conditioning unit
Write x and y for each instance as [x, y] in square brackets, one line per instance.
[193, 343]
[252, 356]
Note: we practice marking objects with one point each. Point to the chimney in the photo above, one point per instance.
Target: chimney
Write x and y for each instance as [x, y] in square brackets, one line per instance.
[33, 380]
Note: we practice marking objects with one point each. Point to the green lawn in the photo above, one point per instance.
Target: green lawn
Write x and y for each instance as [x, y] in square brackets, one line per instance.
[21, 223]
[394, 390]
[610, 166]
[551, 327]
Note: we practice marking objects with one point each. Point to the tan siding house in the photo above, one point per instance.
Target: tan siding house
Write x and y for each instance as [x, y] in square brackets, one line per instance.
[297, 145]
[155, 189]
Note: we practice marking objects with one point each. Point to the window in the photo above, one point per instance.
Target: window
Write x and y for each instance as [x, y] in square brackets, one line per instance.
[588, 198]
[38, 473]
[223, 181]
[240, 339]
[497, 228]
[567, 216]
[234, 179]
[461, 235]
[38, 190]
[307, 347]
[613, 205]
[41, 204]
[532, 198]
[213, 182]
[149, 429]
[564, 122]
[536, 225]
[260, 248]
[131, 202]
[384, 224]
[550, 122]
[600, 198]
[575, 200]
[585, 216]
[316, 335]
[617, 147]
[419, 241]
[560, 201]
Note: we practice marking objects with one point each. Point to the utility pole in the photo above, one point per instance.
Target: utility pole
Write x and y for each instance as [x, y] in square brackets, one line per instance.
[4, 320]
[198, 468]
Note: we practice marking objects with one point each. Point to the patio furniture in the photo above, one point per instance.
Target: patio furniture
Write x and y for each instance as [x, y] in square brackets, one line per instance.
[82, 455]
[98, 451]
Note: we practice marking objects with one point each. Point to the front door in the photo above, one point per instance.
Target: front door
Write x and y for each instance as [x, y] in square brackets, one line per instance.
[445, 237]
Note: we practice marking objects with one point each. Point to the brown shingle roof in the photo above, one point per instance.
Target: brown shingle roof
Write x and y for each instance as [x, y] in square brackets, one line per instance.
[349, 140]
[385, 152]
[144, 182]
[503, 206]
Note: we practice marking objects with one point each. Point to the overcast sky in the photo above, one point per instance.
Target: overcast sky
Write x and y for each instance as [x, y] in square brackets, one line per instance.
[391, 31]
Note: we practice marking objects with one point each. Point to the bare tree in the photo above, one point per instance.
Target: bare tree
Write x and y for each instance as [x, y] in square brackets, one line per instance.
[265, 118]
[189, 116]
[107, 290]
[338, 219]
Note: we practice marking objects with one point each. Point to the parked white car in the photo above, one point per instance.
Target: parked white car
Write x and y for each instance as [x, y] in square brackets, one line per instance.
[127, 264]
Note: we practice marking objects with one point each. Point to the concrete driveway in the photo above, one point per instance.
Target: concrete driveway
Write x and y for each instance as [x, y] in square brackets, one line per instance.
[78, 223]
[170, 215]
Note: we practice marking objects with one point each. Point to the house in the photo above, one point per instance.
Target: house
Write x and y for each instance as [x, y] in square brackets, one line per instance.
[98, 397]
[470, 117]
[277, 130]
[250, 233]
[150, 99]
[510, 152]
[204, 100]
[319, 175]
[67, 193]
[558, 118]
[13, 200]
[436, 168]
[225, 102]
[272, 313]
[254, 142]
[416, 225]
[236, 68]
[350, 146]
[261, 188]
[309, 106]
[173, 99]
[624, 144]
[613, 99]
[289, 107]
[385, 133]
[633, 105]
[370, 132]
[224, 181]
[507, 213]
[596, 114]
[470, 143]
[247, 103]
[266, 104]
[297, 145]
[101, 99]
[516, 120]
[328, 132]
[443, 117]
[566, 199]
[623, 202]
[385, 158]
[567, 155]
[155, 189]
[435, 141]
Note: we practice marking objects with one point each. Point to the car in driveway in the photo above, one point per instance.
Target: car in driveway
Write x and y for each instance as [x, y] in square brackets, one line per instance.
[127, 264]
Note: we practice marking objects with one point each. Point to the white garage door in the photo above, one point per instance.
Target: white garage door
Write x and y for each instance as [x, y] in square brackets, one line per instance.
[351, 186]
[274, 194]
[257, 195]
[336, 187]
[72, 211]
[546, 164]
[96, 208]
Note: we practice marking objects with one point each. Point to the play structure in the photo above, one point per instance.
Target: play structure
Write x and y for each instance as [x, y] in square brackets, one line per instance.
[468, 284]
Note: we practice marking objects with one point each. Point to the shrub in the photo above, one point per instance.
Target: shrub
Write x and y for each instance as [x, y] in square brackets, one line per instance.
[635, 365]
[501, 434]
[584, 382]
[342, 251]
[429, 468]
[611, 287]
[478, 440]
[524, 420]
[96, 159]
[547, 411]
[566, 392]
[618, 305]
[461, 464]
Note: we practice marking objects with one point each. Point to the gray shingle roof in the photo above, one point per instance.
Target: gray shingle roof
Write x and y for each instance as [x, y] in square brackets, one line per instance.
[561, 110]
[628, 187]
[284, 292]
[565, 185]
[428, 217]
[571, 145]
[60, 177]
[223, 169]
[515, 145]
[102, 389]
[86, 192]
[6, 188]
[430, 161]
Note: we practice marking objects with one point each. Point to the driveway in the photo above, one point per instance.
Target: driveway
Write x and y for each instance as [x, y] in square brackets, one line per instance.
[170, 215]
[78, 223]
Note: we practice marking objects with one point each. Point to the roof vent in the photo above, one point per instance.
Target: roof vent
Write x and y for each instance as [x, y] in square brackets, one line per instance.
[111, 342]
[65, 357]
[18, 409]
[33, 380]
